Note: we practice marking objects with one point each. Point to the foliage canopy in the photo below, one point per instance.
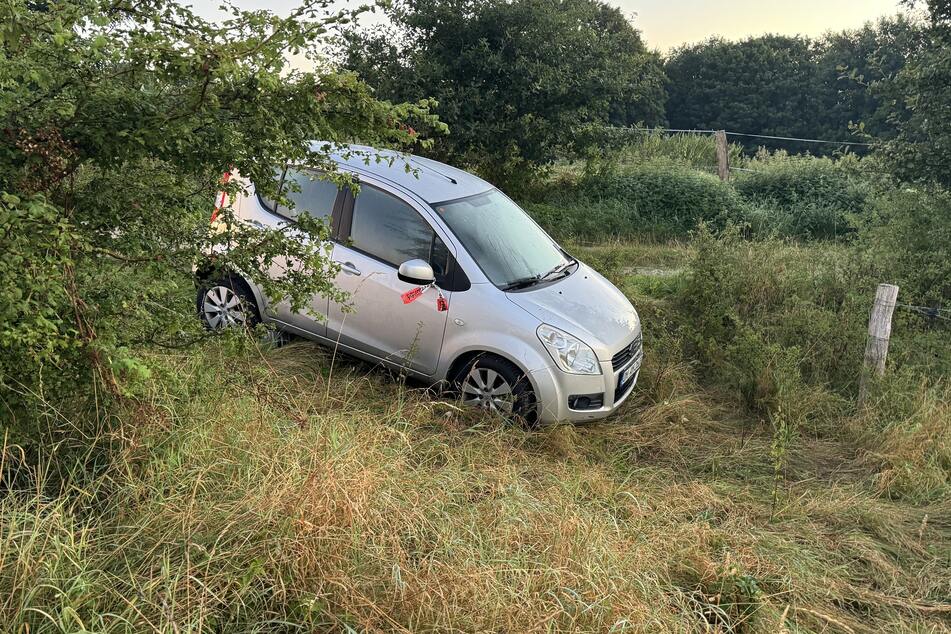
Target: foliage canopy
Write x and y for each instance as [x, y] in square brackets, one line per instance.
[791, 86]
[119, 117]
[921, 96]
[515, 81]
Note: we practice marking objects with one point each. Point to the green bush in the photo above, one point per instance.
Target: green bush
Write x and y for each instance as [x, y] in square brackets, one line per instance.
[804, 196]
[657, 197]
[779, 326]
[662, 186]
[907, 241]
[107, 182]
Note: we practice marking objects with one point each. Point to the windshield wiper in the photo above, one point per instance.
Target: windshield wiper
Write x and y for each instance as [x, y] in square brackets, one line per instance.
[522, 282]
[558, 269]
[531, 280]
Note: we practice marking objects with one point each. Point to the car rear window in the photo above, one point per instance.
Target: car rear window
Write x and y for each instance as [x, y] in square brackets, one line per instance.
[307, 193]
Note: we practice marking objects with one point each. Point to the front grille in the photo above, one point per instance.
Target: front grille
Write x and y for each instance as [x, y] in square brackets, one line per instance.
[626, 353]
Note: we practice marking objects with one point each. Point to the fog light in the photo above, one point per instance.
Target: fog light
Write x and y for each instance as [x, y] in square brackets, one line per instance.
[585, 401]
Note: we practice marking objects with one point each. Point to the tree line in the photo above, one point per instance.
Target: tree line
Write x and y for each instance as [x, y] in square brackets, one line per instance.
[521, 83]
[792, 86]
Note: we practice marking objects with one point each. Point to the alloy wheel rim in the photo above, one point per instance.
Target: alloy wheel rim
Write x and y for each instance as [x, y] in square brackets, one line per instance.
[222, 308]
[486, 388]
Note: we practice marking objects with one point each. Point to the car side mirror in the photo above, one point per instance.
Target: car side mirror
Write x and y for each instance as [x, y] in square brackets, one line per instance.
[416, 272]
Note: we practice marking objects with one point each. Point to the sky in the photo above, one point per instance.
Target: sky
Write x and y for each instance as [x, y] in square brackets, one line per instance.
[668, 23]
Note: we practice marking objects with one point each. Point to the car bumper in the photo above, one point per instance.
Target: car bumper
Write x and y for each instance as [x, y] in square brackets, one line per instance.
[554, 388]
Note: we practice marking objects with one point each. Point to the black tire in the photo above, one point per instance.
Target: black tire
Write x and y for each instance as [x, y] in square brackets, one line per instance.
[216, 308]
[524, 405]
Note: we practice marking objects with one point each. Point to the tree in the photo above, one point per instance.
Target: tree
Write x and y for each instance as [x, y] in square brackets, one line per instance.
[794, 87]
[760, 85]
[515, 81]
[849, 62]
[919, 97]
[118, 118]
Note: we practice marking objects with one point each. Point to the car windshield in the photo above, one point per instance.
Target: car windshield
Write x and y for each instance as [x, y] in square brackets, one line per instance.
[509, 247]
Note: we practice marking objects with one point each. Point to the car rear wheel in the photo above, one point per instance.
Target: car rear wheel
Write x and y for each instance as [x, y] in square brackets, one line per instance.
[226, 303]
[497, 385]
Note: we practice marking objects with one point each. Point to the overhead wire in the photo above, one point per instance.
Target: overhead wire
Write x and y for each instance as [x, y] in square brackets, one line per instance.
[790, 138]
[743, 134]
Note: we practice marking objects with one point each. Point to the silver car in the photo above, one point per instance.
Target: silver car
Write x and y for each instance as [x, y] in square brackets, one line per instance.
[453, 283]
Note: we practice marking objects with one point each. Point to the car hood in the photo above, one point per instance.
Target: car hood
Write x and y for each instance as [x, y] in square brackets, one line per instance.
[585, 305]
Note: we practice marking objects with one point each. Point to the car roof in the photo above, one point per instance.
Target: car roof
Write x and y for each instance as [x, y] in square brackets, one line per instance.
[431, 180]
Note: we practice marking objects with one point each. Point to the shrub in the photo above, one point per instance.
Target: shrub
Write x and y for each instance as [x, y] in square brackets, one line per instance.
[804, 196]
[656, 197]
[907, 240]
[569, 216]
[119, 122]
[776, 324]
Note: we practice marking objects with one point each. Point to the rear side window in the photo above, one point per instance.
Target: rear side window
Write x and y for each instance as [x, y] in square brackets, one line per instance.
[307, 192]
[387, 228]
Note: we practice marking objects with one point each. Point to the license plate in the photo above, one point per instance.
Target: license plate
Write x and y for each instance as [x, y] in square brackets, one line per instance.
[630, 371]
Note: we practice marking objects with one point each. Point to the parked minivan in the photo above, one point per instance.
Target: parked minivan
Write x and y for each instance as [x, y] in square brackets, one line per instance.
[450, 281]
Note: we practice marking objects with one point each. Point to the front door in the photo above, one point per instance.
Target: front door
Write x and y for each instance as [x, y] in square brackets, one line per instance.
[385, 231]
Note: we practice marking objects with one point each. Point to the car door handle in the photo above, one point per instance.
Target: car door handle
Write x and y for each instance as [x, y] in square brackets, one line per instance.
[349, 268]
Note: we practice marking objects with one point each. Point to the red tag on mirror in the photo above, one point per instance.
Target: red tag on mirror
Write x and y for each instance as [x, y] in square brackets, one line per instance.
[412, 295]
[442, 304]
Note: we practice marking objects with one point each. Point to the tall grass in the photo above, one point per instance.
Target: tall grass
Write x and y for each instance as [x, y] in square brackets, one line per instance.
[248, 492]
[624, 149]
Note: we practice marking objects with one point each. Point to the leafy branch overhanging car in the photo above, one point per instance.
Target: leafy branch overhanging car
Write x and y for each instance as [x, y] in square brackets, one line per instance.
[508, 318]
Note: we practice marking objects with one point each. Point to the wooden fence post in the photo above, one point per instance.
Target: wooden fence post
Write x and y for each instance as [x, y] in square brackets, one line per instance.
[879, 331]
[723, 155]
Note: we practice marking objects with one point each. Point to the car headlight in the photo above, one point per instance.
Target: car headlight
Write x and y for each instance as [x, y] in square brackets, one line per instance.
[570, 353]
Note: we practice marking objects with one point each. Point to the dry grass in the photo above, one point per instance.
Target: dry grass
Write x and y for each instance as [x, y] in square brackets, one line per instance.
[909, 432]
[251, 494]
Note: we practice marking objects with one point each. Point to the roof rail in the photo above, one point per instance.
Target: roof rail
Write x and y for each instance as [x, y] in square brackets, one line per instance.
[452, 180]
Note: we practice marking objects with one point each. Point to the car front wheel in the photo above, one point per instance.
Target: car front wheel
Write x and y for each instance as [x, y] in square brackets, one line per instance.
[498, 385]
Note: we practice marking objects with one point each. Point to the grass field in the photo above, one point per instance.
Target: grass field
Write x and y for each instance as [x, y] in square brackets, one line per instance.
[266, 490]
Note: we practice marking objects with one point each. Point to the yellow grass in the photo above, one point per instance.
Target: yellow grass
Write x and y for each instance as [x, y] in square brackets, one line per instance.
[251, 494]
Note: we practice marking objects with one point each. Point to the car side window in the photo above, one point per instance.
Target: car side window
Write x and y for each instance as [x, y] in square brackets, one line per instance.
[389, 229]
[307, 192]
